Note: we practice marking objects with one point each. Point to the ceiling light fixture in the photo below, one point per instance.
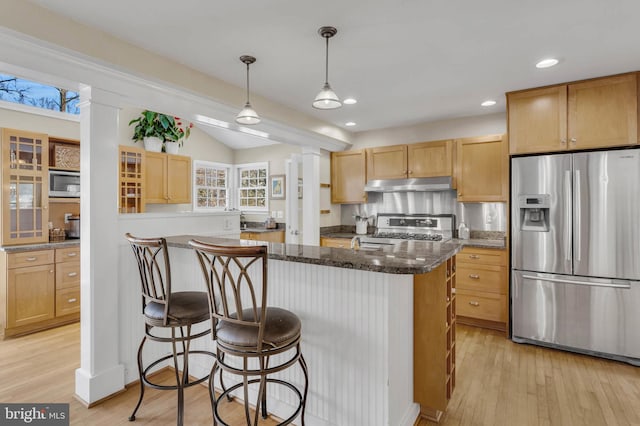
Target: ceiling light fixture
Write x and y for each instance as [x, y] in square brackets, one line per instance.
[248, 115]
[350, 123]
[327, 98]
[350, 101]
[489, 102]
[546, 63]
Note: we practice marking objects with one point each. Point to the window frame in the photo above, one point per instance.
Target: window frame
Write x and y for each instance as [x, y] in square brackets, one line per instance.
[229, 168]
[237, 182]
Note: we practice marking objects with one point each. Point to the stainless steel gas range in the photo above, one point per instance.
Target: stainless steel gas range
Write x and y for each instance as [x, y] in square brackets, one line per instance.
[393, 228]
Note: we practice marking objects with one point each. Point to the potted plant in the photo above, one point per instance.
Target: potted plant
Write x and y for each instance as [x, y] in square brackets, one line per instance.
[155, 129]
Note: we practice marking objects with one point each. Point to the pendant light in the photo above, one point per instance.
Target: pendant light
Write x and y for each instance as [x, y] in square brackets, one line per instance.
[248, 115]
[327, 98]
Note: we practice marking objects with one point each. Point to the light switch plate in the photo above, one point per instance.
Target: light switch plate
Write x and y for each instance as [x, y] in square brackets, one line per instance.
[280, 214]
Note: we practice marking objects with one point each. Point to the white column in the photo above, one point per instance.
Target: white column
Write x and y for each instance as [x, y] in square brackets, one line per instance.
[311, 198]
[100, 373]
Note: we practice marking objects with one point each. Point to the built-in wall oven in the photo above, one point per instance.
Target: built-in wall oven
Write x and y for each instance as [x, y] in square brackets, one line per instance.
[64, 184]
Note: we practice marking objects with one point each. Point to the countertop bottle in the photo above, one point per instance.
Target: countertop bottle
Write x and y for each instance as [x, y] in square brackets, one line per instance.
[463, 231]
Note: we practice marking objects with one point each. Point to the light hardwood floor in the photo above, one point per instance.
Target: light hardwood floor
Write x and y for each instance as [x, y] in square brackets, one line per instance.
[498, 383]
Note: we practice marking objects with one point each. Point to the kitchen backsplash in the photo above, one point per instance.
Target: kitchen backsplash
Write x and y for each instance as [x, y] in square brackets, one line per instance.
[477, 216]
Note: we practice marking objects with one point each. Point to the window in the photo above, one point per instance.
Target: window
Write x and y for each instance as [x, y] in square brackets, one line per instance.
[25, 92]
[211, 185]
[252, 186]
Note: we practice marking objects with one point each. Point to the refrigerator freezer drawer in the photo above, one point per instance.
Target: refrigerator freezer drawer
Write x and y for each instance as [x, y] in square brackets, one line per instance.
[585, 314]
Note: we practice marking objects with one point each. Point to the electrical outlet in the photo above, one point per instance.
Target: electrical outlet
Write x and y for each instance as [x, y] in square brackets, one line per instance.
[67, 216]
[274, 213]
[280, 214]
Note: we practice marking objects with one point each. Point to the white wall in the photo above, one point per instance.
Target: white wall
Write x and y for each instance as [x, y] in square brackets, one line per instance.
[275, 155]
[479, 125]
[67, 129]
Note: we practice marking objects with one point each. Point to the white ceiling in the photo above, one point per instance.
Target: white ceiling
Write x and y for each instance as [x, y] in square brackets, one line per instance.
[406, 61]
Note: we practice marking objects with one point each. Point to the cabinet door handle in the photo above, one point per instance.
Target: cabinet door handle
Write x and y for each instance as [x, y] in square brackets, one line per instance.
[474, 303]
[474, 276]
[72, 254]
[410, 172]
[31, 259]
[73, 300]
[573, 141]
[474, 256]
[72, 274]
[563, 141]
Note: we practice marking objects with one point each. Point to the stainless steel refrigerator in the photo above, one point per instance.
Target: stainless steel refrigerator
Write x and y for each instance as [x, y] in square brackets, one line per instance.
[575, 256]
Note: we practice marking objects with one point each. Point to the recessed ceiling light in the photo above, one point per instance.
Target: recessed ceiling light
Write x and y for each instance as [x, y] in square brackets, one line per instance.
[350, 123]
[488, 103]
[350, 101]
[546, 63]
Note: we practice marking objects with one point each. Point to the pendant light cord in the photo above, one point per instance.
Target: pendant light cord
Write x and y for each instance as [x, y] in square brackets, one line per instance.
[248, 102]
[326, 62]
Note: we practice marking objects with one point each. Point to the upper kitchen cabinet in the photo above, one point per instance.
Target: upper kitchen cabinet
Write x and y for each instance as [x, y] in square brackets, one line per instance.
[167, 178]
[348, 174]
[387, 162]
[64, 154]
[131, 180]
[25, 201]
[426, 159]
[596, 113]
[482, 169]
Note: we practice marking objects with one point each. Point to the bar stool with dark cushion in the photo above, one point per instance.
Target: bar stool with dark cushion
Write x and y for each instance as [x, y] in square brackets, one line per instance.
[164, 309]
[249, 333]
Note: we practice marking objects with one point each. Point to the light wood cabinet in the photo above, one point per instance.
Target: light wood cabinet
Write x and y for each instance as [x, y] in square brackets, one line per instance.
[425, 159]
[167, 178]
[335, 242]
[483, 282]
[434, 339]
[275, 236]
[39, 289]
[482, 169]
[25, 187]
[596, 113]
[387, 162]
[348, 174]
[131, 168]
[67, 281]
[64, 154]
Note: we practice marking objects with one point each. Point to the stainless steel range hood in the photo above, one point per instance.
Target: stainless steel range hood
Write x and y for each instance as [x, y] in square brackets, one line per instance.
[443, 183]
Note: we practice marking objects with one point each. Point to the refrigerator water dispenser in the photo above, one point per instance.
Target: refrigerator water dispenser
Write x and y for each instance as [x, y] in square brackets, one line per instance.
[534, 212]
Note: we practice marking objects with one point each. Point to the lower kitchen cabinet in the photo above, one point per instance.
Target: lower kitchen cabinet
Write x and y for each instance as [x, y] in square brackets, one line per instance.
[335, 242]
[483, 288]
[275, 236]
[39, 289]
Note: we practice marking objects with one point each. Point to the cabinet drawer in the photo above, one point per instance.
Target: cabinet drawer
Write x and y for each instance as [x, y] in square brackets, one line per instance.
[70, 254]
[486, 306]
[29, 258]
[479, 256]
[335, 242]
[67, 301]
[67, 275]
[482, 278]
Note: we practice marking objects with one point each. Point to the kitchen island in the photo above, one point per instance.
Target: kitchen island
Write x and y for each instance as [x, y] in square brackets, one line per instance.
[378, 326]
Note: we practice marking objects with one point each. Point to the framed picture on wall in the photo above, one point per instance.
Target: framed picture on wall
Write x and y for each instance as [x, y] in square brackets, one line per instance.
[277, 187]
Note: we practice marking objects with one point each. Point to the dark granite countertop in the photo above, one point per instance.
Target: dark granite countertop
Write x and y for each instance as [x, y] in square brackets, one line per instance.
[409, 257]
[41, 246]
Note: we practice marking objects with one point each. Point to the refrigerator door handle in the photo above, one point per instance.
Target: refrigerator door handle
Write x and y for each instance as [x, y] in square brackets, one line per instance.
[587, 283]
[567, 215]
[578, 215]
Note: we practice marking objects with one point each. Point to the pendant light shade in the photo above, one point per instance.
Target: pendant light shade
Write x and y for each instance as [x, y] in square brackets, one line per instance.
[248, 115]
[327, 98]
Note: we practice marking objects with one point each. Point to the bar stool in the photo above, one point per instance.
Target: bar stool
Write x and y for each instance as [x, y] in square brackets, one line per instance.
[164, 309]
[247, 330]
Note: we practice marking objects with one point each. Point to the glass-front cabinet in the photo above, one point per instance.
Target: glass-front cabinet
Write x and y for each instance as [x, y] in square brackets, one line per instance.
[25, 214]
[131, 180]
